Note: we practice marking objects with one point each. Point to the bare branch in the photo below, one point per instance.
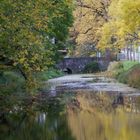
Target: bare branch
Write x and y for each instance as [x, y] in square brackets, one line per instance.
[89, 29]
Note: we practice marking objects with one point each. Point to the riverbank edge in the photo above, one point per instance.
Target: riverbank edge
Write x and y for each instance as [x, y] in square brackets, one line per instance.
[126, 72]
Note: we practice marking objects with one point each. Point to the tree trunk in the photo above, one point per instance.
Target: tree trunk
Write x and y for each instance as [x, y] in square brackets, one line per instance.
[22, 73]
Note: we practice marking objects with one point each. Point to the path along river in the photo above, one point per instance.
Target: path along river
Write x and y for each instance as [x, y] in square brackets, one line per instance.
[77, 107]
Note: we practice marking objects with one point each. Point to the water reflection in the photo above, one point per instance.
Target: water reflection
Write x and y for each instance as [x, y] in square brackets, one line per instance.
[45, 119]
[98, 119]
[73, 115]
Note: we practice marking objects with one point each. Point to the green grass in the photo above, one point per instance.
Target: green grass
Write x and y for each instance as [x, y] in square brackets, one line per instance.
[49, 74]
[13, 83]
[128, 64]
[127, 72]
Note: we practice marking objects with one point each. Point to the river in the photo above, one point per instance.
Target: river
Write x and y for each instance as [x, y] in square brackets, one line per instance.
[75, 107]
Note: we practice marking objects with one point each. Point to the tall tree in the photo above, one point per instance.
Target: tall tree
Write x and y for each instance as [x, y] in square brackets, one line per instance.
[123, 26]
[90, 15]
[27, 29]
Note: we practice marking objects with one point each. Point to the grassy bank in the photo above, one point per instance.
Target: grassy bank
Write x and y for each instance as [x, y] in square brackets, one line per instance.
[12, 82]
[127, 72]
[49, 74]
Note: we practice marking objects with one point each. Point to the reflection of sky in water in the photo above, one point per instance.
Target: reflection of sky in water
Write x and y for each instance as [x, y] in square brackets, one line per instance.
[41, 118]
[53, 90]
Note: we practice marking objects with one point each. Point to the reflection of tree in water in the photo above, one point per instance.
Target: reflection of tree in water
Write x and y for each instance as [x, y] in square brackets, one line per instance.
[97, 119]
[90, 116]
[107, 102]
[42, 120]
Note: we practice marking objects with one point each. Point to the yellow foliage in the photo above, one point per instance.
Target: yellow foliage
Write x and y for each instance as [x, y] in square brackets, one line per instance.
[124, 24]
[89, 15]
[99, 22]
[96, 121]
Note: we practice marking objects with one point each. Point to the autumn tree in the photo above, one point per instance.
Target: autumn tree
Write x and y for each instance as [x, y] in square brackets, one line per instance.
[28, 29]
[90, 15]
[106, 24]
[123, 27]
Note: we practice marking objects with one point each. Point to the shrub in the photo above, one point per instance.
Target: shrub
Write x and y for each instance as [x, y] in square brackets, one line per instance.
[119, 70]
[92, 67]
[131, 76]
[122, 77]
[11, 82]
[14, 83]
[127, 72]
[115, 68]
[134, 76]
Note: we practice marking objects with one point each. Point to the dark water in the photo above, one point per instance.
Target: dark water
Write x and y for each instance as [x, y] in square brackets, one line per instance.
[71, 115]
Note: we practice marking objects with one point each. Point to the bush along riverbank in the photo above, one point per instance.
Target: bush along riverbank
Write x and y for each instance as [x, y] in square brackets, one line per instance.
[12, 82]
[127, 72]
[91, 67]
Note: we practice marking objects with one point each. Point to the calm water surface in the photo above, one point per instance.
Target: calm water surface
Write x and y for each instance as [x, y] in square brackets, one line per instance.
[71, 115]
